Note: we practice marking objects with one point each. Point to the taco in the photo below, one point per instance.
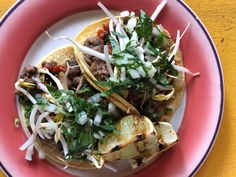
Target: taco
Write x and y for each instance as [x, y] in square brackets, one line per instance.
[70, 123]
[142, 65]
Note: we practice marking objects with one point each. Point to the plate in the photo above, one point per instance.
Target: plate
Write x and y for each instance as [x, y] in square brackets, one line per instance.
[22, 41]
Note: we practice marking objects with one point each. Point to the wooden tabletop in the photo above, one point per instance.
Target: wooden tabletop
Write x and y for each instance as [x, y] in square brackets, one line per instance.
[220, 19]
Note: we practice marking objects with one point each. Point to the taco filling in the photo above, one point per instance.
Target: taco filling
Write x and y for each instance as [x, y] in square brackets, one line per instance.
[142, 63]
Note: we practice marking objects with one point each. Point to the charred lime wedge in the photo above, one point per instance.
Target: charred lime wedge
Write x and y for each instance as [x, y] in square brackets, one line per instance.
[134, 135]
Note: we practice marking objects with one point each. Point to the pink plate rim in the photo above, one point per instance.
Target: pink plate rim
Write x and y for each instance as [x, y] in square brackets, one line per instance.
[217, 59]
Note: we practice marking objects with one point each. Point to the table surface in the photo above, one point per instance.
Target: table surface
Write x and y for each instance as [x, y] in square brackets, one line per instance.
[220, 19]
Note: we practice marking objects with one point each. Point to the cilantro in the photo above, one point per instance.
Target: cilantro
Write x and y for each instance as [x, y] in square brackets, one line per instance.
[144, 26]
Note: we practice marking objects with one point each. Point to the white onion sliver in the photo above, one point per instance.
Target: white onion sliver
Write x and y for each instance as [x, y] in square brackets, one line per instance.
[54, 78]
[51, 107]
[64, 144]
[134, 74]
[122, 74]
[40, 119]
[29, 142]
[158, 10]
[41, 86]
[97, 118]
[107, 61]
[108, 13]
[176, 46]
[97, 136]
[183, 69]
[32, 117]
[83, 118]
[185, 30]
[29, 96]
[124, 13]
[95, 98]
[83, 49]
[101, 133]
[132, 22]
[29, 153]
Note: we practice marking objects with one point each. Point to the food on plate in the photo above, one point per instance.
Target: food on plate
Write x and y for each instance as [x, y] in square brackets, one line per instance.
[108, 97]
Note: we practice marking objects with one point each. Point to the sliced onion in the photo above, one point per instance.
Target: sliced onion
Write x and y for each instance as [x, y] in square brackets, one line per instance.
[41, 86]
[29, 153]
[83, 118]
[134, 74]
[29, 142]
[69, 107]
[97, 118]
[108, 13]
[107, 61]
[49, 126]
[134, 39]
[175, 50]
[185, 70]
[132, 13]
[32, 117]
[140, 52]
[51, 107]
[97, 136]
[40, 119]
[141, 71]
[158, 10]
[132, 22]
[64, 144]
[112, 108]
[185, 30]
[101, 133]
[54, 78]
[124, 13]
[83, 49]
[46, 134]
[27, 94]
[95, 98]
[122, 74]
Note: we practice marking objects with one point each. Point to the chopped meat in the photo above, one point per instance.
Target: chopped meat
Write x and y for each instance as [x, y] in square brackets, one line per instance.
[29, 71]
[74, 69]
[73, 84]
[94, 43]
[49, 65]
[72, 62]
[99, 70]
